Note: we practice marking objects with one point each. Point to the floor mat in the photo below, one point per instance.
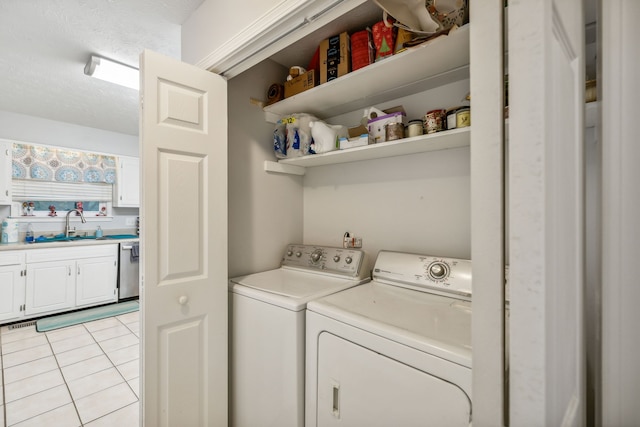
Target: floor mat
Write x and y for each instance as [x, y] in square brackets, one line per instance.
[87, 315]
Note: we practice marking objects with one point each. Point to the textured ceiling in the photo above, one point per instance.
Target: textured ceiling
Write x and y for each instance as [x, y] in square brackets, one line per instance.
[45, 44]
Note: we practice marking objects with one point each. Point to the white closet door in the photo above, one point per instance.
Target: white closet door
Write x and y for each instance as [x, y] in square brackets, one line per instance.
[184, 244]
[546, 211]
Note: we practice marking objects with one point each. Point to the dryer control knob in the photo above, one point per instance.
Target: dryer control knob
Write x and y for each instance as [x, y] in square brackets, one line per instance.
[437, 271]
[336, 258]
[298, 254]
[289, 252]
[348, 260]
[316, 255]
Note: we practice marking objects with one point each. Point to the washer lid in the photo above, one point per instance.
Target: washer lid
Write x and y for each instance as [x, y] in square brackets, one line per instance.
[431, 323]
[289, 288]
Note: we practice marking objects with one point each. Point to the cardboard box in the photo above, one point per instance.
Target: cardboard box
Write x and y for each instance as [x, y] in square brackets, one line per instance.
[335, 57]
[358, 141]
[301, 83]
[376, 126]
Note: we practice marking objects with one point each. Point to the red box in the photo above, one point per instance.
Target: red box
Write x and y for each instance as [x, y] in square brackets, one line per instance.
[362, 49]
[384, 39]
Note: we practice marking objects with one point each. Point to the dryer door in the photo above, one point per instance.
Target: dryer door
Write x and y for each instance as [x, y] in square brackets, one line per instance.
[359, 387]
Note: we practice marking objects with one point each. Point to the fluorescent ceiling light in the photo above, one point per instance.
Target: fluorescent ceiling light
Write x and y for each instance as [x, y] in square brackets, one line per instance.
[113, 72]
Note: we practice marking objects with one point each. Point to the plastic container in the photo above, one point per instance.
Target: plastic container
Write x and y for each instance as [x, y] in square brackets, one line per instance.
[9, 231]
[98, 232]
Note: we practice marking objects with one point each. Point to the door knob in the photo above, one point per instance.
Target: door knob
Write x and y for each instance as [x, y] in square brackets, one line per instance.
[183, 300]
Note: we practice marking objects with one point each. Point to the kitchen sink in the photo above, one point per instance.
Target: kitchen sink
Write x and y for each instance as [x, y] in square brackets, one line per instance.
[63, 238]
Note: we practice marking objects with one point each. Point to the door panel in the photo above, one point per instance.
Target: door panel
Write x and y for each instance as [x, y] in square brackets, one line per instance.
[546, 210]
[360, 387]
[184, 244]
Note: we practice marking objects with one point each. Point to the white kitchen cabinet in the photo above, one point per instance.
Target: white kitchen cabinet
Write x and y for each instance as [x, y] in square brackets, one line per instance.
[6, 148]
[64, 278]
[96, 280]
[12, 282]
[50, 287]
[127, 188]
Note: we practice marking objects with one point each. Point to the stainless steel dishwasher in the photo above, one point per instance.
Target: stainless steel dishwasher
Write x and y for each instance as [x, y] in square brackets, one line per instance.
[129, 270]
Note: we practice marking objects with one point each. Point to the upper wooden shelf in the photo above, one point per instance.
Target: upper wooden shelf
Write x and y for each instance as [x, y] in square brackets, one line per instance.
[435, 63]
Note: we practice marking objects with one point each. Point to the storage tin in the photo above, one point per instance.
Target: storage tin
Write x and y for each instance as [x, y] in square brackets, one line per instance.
[434, 121]
[415, 128]
[393, 131]
[451, 118]
[463, 117]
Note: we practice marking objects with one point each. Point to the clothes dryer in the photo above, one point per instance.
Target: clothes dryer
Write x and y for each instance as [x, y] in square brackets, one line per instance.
[395, 351]
[267, 335]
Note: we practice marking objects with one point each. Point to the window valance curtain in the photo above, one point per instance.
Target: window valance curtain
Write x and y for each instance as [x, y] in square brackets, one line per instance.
[62, 165]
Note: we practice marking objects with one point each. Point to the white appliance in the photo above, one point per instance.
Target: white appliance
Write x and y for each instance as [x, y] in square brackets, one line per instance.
[267, 341]
[395, 351]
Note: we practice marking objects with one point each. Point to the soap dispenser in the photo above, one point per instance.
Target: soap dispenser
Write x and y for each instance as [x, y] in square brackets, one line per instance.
[98, 232]
[29, 237]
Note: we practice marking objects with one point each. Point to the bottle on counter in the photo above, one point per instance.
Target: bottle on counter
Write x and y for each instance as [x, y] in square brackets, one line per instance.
[98, 232]
[29, 237]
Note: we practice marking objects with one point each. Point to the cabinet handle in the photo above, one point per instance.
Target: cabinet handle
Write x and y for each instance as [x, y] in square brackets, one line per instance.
[335, 406]
[78, 270]
[69, 268]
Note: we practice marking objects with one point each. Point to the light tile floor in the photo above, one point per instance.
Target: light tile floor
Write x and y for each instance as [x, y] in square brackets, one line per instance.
[83, 375]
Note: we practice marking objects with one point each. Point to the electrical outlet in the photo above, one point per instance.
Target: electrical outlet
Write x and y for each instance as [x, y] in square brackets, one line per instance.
[351, 242]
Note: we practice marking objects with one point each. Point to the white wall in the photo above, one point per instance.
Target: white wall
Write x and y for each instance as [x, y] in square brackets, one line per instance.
[418, 203]
[216, 22]
[37, 130]
[265, 210]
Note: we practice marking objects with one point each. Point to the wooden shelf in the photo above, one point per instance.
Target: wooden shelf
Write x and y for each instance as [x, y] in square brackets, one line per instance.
[437, 141]
[432, 64]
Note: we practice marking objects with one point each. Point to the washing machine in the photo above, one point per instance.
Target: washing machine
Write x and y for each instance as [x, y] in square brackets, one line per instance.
[395, 351]
[267, 331]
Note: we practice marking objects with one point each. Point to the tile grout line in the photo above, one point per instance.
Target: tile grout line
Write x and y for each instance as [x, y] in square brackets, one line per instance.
[64, 378]
[115, 366]
[66, 383]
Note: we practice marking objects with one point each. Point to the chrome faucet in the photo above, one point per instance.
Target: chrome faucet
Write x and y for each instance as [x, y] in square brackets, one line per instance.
[66, 228]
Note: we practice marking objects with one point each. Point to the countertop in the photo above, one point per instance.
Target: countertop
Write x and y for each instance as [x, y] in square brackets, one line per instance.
[64, 244]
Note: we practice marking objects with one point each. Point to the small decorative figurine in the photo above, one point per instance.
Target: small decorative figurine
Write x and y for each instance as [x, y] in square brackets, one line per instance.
[52, 211]
[31, 208]
[25, 209]
[79, 207]
[103, 211]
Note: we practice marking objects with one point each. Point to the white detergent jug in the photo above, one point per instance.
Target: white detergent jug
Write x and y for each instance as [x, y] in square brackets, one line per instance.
[326, 137]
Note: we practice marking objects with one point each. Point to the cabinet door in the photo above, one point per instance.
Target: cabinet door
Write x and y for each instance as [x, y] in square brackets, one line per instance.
[5, 172]
[96, 280]
[11, 292]
[128, 183]
[50, 286]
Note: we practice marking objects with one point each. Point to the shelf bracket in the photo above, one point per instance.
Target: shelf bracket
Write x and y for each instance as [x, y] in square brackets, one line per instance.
[276, 167]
